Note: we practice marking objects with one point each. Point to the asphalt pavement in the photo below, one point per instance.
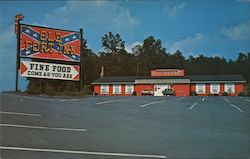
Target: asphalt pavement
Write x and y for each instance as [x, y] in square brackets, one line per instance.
[35, 127]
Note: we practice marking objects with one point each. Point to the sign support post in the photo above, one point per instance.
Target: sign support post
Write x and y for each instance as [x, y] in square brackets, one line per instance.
[18, 18]
[17, 55]
[81, 59]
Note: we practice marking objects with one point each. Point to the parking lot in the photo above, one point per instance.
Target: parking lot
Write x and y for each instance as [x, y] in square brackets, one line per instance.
[124, 127]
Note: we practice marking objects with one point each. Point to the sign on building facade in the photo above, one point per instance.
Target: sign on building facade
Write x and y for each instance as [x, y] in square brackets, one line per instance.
[167, 72]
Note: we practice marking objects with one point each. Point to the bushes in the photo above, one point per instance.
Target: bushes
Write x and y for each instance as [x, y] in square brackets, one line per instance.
[241, 94]
[134, 93]
[224, 94]
[51, 89]
[193, 93]
[33, 91]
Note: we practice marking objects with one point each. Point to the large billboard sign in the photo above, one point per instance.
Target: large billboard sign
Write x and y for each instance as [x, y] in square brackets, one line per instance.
[47, 43]
[49, 70]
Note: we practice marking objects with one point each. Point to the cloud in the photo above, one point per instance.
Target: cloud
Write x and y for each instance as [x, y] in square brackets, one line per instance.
[238, 32]
[100, 15]
[8, 45]
[225, 42]
[7, 36]
[172, 11]
[244, 1]
[8, 58]
[128, 48]
[188, 44]
[39, 24]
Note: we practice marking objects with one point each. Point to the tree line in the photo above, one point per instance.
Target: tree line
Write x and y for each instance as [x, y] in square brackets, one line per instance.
[143, 58]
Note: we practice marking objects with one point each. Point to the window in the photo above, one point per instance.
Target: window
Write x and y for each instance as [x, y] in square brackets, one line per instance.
[116, 89]
[104, 89]
[230, 88]
[215, 88]
[129, 89]
[200, 88]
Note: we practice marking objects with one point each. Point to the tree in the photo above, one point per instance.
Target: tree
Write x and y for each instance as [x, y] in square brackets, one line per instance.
[243, 65]
[150, 55]
[113, 44]
[91, 65]
[177, 60]
[115, 58]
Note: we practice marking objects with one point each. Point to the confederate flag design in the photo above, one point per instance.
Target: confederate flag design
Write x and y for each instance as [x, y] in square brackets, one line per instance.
[46, 43]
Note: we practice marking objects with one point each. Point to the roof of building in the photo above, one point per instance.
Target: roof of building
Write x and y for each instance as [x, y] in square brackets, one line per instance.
[108, 79]
[225, 77]
[193, 78]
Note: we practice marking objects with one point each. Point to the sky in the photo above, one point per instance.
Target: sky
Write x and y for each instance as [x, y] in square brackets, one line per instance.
[212, 28]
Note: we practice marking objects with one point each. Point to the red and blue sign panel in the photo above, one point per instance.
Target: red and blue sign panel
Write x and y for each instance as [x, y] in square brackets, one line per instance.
[48, 43]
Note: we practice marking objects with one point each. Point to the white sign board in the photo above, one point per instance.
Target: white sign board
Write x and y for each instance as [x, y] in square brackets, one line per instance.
[49, 70]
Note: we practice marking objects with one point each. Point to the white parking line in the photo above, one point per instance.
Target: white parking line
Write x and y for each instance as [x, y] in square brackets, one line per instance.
[41, 127]
[111, 101]
[15, 113]
[144, 105]
[98, 98]
[81, 152]
[68, 100]
[203, 99]
[192, 106]
[181, 98]
[28, 97]
[226, 100]
[236, 107]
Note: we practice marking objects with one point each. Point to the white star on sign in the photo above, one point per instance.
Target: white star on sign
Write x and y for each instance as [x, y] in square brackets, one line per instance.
[74, 37]
[27, 31]
[67, 39]
[27, 52]
[35, 35]
[73, 56]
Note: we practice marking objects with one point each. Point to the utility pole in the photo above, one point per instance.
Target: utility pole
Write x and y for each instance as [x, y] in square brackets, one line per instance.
[18, 18]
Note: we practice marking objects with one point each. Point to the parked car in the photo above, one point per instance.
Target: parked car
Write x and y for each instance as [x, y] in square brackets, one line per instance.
[147, 92]
[168, 92]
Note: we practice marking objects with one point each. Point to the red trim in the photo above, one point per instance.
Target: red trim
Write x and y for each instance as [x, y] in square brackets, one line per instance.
[76, 78]
[181, 89]
[23, 68]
